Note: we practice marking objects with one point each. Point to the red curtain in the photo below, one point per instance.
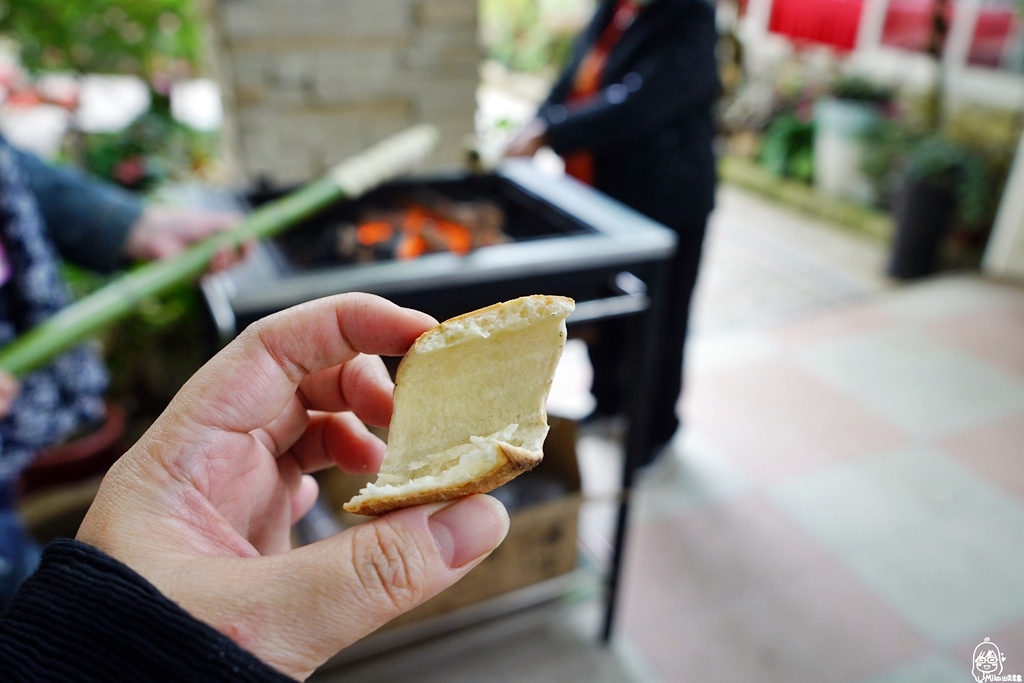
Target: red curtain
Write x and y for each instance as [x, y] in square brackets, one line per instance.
[830, 22]
[908, 24]
[995, 26]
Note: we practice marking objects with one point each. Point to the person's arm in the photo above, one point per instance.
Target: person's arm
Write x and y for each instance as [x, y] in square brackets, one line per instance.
[98, 225]
[84, 616]
[673, 78]
[87, 219]
[531, 137]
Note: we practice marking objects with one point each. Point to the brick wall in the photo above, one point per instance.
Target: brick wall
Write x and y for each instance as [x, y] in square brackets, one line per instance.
[308, 82]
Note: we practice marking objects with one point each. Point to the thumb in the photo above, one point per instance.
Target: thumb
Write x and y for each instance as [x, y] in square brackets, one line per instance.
[325, 596]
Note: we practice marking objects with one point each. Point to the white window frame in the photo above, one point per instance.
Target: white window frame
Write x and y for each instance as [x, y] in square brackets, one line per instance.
[964, 84]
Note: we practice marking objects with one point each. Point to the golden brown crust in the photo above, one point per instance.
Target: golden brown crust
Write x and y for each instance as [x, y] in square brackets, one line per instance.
[548, 299]
[519, 460]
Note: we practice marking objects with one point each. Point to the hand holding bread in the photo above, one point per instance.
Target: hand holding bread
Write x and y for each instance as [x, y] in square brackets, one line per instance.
[202, 505]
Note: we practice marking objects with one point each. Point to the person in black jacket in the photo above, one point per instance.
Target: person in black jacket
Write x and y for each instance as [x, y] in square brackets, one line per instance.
[632, 116]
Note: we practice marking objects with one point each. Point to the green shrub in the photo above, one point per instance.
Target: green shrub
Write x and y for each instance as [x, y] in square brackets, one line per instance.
[143, 37]
[897, 153]
[788, 148]
[515, 36]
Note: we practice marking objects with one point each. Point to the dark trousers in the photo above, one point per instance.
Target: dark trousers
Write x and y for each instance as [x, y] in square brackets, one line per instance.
[611, 369]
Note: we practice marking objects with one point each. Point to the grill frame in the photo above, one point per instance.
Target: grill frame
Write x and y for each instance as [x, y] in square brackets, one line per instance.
[622, 240]
[618, 269]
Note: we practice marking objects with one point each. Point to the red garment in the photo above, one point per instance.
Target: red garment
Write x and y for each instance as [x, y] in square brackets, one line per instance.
[587, 82]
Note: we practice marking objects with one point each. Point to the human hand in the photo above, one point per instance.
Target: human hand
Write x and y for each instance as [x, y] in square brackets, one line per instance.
[202, 505]
[8, 392]
[530, 139]
[164, 231]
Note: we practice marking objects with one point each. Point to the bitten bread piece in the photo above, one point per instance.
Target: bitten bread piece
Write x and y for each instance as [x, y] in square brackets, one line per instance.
[469, 405]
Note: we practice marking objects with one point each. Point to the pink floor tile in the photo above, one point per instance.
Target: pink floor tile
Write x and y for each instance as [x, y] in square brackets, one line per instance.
[774, 419]
[833, 325]
[695, 559]
[994, 451]
[737, 593]
[996, 336]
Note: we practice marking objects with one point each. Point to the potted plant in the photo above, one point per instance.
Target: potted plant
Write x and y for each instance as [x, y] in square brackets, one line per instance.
[930, 183]
[942, 182]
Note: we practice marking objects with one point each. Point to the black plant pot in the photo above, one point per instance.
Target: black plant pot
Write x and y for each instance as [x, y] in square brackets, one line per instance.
[924, 212]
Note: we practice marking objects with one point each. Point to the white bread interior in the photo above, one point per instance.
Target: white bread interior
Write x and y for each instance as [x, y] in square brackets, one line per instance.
[470, 405]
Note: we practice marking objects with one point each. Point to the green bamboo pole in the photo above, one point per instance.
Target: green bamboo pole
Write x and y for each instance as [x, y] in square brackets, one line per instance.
[113, 302]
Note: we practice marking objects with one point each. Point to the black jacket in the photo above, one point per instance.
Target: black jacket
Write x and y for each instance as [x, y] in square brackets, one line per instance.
[84, 617]
[651, 128]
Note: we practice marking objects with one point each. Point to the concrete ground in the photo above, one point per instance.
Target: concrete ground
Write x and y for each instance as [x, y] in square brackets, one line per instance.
[845, 503]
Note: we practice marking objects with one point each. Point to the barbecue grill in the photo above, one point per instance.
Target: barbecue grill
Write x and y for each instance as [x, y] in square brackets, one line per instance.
[562, 237]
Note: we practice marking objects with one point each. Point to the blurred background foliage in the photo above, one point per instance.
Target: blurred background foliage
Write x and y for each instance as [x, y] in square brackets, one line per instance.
[787, 149]
[532, 36]
[152, 353]
[159, 41]
[155, 149]
[153, 39]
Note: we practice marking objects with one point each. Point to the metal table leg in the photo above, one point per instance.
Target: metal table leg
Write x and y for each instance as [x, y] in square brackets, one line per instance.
[645, 349]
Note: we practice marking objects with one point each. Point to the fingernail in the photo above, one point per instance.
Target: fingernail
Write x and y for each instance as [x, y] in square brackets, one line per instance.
[426, 319]
[469, 529]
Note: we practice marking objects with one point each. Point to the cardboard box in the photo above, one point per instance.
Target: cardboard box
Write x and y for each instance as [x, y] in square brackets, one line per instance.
[541, 542]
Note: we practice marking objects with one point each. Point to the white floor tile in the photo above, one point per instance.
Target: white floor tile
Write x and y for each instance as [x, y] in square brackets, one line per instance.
[916, 381]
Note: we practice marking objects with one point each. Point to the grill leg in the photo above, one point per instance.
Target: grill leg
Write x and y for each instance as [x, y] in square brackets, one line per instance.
[645, 348]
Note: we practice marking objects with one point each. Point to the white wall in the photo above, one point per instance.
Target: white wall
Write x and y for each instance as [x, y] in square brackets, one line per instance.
[1004, 256]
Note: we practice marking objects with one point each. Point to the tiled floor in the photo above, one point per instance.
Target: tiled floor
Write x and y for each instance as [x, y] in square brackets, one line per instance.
[870, 526]
[765, 265]
[846, 503]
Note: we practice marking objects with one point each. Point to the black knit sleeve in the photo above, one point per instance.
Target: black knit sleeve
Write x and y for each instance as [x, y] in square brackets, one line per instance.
[84, 616]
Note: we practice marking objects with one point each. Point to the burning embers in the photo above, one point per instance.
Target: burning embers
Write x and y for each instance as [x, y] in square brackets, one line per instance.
[428, 224]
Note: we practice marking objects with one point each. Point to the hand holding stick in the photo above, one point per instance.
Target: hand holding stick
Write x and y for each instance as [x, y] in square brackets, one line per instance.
[106, 306]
